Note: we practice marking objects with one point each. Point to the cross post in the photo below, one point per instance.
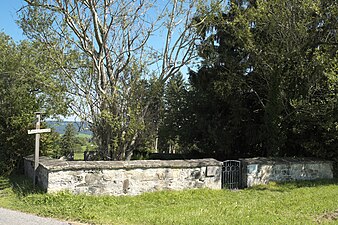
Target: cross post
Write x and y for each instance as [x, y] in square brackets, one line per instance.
[37, 133]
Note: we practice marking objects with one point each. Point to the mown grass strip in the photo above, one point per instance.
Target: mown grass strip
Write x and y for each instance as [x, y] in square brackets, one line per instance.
[289, 203]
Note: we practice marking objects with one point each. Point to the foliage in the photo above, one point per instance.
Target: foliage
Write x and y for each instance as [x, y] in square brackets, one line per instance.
[50, 144]
[289, 203]
[267, 84]
[68, 140]
[175, 116]
[27, 85]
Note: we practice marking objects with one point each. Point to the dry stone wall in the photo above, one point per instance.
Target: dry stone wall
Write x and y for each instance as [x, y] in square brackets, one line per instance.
[263, 170]
[136, 177]
[126, 177]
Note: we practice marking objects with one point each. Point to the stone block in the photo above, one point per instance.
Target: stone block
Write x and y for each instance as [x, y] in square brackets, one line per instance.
[252, 169]
[212, 171]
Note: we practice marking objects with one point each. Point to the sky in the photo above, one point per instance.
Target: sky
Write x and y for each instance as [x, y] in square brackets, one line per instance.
[8, 17]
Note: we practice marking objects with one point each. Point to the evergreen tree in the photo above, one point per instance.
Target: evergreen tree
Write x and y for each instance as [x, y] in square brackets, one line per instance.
[68, 141]
[175, 115]
[50, 144]
[267, 84]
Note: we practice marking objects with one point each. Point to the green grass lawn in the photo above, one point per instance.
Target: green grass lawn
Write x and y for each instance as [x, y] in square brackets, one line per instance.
[293, 203]
[78, 156]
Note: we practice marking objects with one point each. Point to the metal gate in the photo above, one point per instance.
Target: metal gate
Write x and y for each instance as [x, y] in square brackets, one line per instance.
[232, 174]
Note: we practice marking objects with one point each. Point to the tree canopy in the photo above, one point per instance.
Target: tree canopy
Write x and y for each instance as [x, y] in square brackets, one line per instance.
[28, 83]
[267, 84]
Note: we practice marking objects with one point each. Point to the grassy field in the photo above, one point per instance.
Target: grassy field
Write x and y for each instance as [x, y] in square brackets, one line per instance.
[82, 135]
[86, 145]
[78, 156]
[293, 203]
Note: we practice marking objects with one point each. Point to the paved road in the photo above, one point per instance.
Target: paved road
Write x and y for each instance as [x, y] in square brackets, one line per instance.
[9, 217]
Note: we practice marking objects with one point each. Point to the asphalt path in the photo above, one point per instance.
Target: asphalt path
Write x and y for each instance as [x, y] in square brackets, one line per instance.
[10, 217]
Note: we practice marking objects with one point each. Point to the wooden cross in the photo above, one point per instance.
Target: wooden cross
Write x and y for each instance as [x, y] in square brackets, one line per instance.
[37, 133]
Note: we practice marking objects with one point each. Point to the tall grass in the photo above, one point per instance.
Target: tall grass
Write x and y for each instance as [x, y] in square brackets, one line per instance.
[289, 203]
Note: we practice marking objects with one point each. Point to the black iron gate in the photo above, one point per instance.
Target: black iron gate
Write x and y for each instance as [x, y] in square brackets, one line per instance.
[232, 174]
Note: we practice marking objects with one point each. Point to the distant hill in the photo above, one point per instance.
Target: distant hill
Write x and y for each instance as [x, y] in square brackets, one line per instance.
[60, 127]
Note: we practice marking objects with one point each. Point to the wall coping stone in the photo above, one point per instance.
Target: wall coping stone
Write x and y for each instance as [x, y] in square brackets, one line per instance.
[282, 160]
[59, 165]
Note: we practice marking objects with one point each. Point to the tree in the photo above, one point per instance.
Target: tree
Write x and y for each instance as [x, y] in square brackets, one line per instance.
[175, 114]
[50, 145]
[267, 78]
[68, 141]
[295, 73]
[108, 40]
[27, 85]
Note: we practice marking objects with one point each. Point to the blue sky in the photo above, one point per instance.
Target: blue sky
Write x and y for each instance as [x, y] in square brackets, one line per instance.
[8, 16]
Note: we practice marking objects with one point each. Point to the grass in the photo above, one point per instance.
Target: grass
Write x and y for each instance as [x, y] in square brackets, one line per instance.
[289, 203]
[82, 135]
[78, 156]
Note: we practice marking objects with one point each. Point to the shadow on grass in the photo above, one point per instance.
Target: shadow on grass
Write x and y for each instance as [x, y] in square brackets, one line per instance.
[286, 186]
[22, 186]
[4, 183]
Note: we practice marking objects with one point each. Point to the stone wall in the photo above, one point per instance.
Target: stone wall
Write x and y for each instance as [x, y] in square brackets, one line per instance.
[139, 176]
[125, 177]
[41, 174]
[263, 170]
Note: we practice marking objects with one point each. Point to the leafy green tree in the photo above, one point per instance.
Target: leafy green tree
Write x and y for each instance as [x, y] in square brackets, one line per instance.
[27, 85]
